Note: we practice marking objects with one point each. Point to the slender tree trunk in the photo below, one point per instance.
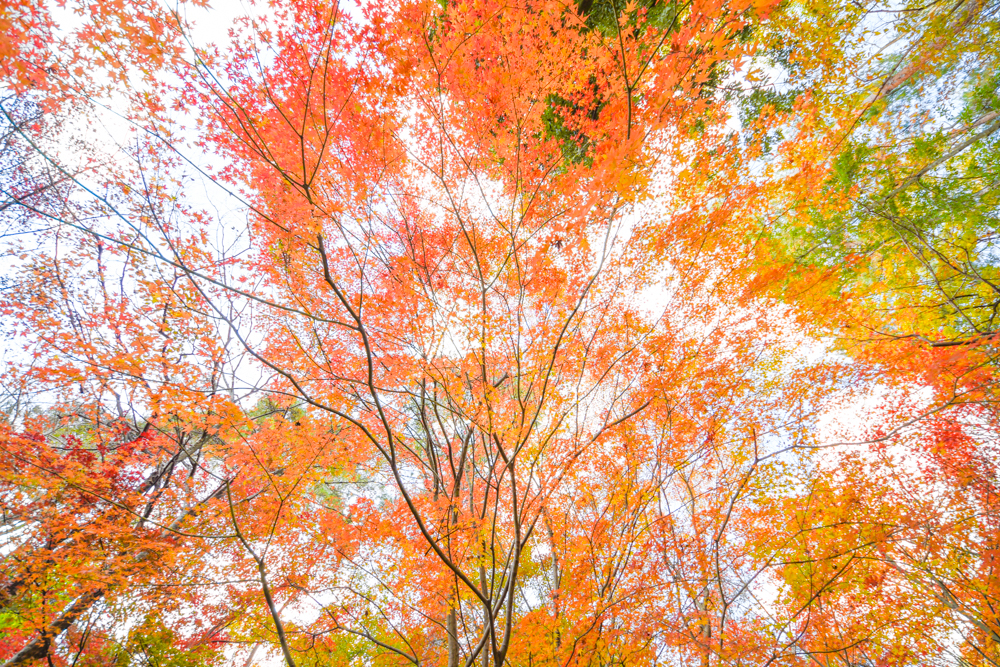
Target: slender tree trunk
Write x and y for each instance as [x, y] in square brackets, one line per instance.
[486, 619]
[706, 633]
[452, 638]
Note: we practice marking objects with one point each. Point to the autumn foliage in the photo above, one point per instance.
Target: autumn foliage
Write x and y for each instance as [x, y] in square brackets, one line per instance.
[536, 333]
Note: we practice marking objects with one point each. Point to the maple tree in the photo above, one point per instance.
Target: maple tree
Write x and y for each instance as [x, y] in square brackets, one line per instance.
[909, 145]
[466, 333]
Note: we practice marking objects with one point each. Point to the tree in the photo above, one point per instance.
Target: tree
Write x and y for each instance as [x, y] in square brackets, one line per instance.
[896, 126]
[473, 375]
[885, 533]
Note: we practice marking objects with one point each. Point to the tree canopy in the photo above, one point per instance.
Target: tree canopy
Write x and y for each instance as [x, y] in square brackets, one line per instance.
[449, 333]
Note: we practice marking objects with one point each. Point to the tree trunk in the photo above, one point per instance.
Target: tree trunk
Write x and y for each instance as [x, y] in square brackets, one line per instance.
[486, 621]
[452, 638]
